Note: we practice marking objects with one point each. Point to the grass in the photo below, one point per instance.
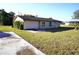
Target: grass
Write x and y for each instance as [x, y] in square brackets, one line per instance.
[57, 43]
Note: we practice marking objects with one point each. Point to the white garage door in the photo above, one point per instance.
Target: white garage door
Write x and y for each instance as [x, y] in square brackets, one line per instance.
[31, 25]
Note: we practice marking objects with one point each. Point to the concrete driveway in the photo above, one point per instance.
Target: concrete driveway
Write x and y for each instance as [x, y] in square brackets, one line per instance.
[12, 44]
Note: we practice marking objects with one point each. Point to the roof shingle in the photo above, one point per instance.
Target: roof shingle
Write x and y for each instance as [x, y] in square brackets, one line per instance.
[31, 18]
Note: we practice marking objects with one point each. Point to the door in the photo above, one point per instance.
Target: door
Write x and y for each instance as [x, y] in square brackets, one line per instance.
[31, 25]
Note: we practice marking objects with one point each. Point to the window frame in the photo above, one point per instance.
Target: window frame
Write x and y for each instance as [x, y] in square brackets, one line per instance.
[43, 24]
[50, 23]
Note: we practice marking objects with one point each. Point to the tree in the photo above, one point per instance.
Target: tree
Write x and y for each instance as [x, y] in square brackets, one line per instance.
[76, 16]
[3, 16]
[11, 16]
[6, 18]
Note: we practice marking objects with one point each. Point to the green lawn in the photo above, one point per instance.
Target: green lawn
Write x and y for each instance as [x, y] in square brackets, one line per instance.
[63, 42]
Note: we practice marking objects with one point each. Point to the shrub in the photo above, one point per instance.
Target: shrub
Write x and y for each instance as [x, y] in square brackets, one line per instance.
[18, 25]
[76, 25]
[21, 26]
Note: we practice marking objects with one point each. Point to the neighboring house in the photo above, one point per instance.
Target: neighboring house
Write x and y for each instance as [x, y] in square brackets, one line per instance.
[73, 21]
[67, 23]
[38, 22]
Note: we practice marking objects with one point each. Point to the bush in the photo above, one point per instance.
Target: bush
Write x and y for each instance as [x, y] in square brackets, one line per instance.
[76, 25]
[21, 26]
[18, 25]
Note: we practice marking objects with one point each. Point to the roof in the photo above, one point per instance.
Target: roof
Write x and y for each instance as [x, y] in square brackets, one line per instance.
[19, 19]
[74, 20]
[33, 18]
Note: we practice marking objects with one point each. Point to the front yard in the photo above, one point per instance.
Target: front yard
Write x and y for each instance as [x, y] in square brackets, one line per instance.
[62, 42]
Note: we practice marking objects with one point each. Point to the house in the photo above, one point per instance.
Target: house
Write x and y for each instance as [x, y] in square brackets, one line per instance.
[73, 21]
[66, 22]
[32, 22]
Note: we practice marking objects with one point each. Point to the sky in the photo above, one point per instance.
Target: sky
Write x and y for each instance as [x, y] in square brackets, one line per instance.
[58, 11]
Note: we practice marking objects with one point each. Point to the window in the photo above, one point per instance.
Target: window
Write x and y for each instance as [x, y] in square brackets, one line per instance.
[50, 23]
[43, 23]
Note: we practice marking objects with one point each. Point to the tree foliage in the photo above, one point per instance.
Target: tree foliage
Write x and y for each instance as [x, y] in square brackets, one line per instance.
[76, 16]
[6, 18]
[11, 16]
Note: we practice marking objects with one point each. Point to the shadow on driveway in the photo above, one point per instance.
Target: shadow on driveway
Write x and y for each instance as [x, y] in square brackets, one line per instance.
[4, 34]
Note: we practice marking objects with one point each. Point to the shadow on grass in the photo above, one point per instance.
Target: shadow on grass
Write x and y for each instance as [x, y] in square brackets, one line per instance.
[60, 29]
[3, 34]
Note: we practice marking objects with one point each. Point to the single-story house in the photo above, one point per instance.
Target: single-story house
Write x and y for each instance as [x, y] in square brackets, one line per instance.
[73, 21]
[32, 22]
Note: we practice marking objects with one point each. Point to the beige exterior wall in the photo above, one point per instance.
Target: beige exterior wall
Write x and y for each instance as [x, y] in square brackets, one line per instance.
[38, 24]
[53, 25]
[47, 25]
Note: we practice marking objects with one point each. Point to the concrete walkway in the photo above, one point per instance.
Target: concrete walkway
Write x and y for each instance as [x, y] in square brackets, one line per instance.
[12, 44]
[32, 31]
